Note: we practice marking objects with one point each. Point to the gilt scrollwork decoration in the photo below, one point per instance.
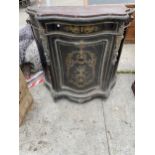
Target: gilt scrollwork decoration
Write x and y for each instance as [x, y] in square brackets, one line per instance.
[81, 29]
[81, 67]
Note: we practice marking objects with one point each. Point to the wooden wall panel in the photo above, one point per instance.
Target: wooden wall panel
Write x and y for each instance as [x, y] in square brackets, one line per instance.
[130, 36]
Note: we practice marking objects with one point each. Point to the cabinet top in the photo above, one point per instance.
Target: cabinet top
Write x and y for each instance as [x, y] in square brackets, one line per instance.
[107, 10]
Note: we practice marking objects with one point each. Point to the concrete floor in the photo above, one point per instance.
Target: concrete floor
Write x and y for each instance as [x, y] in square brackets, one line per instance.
[99, 127]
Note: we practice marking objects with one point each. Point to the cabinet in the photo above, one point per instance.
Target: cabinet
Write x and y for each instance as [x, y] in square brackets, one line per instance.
[80, 48]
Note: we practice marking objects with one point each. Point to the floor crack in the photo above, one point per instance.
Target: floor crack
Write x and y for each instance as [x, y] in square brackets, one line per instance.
[106, 131]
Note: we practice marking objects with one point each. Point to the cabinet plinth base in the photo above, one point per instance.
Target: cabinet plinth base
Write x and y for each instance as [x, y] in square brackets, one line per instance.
[81, 98]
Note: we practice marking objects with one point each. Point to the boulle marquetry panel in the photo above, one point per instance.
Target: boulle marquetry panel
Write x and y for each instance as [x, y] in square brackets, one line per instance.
[80, 48]
[81, 29]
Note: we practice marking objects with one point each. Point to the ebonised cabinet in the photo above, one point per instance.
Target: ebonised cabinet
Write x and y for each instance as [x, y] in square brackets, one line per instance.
[80, 48]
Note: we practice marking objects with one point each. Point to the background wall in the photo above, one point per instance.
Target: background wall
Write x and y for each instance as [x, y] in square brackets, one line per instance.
[110, 1]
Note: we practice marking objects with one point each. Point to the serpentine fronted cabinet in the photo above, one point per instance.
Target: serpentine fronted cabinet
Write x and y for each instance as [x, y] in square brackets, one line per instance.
[80, 48]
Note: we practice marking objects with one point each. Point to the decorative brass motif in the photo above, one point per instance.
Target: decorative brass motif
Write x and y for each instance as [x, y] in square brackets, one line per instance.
[81, 68]
[81, 29]
[117, 45]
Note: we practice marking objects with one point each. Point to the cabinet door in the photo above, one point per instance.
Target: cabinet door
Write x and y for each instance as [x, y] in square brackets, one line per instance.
[79, 62]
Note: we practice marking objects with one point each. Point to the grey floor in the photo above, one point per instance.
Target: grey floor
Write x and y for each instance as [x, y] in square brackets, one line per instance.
[95, 128]
[99, 127]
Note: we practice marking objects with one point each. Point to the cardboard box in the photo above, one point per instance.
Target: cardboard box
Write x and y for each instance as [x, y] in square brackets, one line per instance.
[25, 98]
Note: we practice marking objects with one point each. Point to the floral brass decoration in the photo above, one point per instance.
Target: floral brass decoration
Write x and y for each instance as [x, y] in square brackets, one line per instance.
[81, 29]
[81, 68]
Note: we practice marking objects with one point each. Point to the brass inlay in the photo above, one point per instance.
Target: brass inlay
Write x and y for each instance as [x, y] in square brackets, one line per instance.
[81, 67]
[81, 29]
